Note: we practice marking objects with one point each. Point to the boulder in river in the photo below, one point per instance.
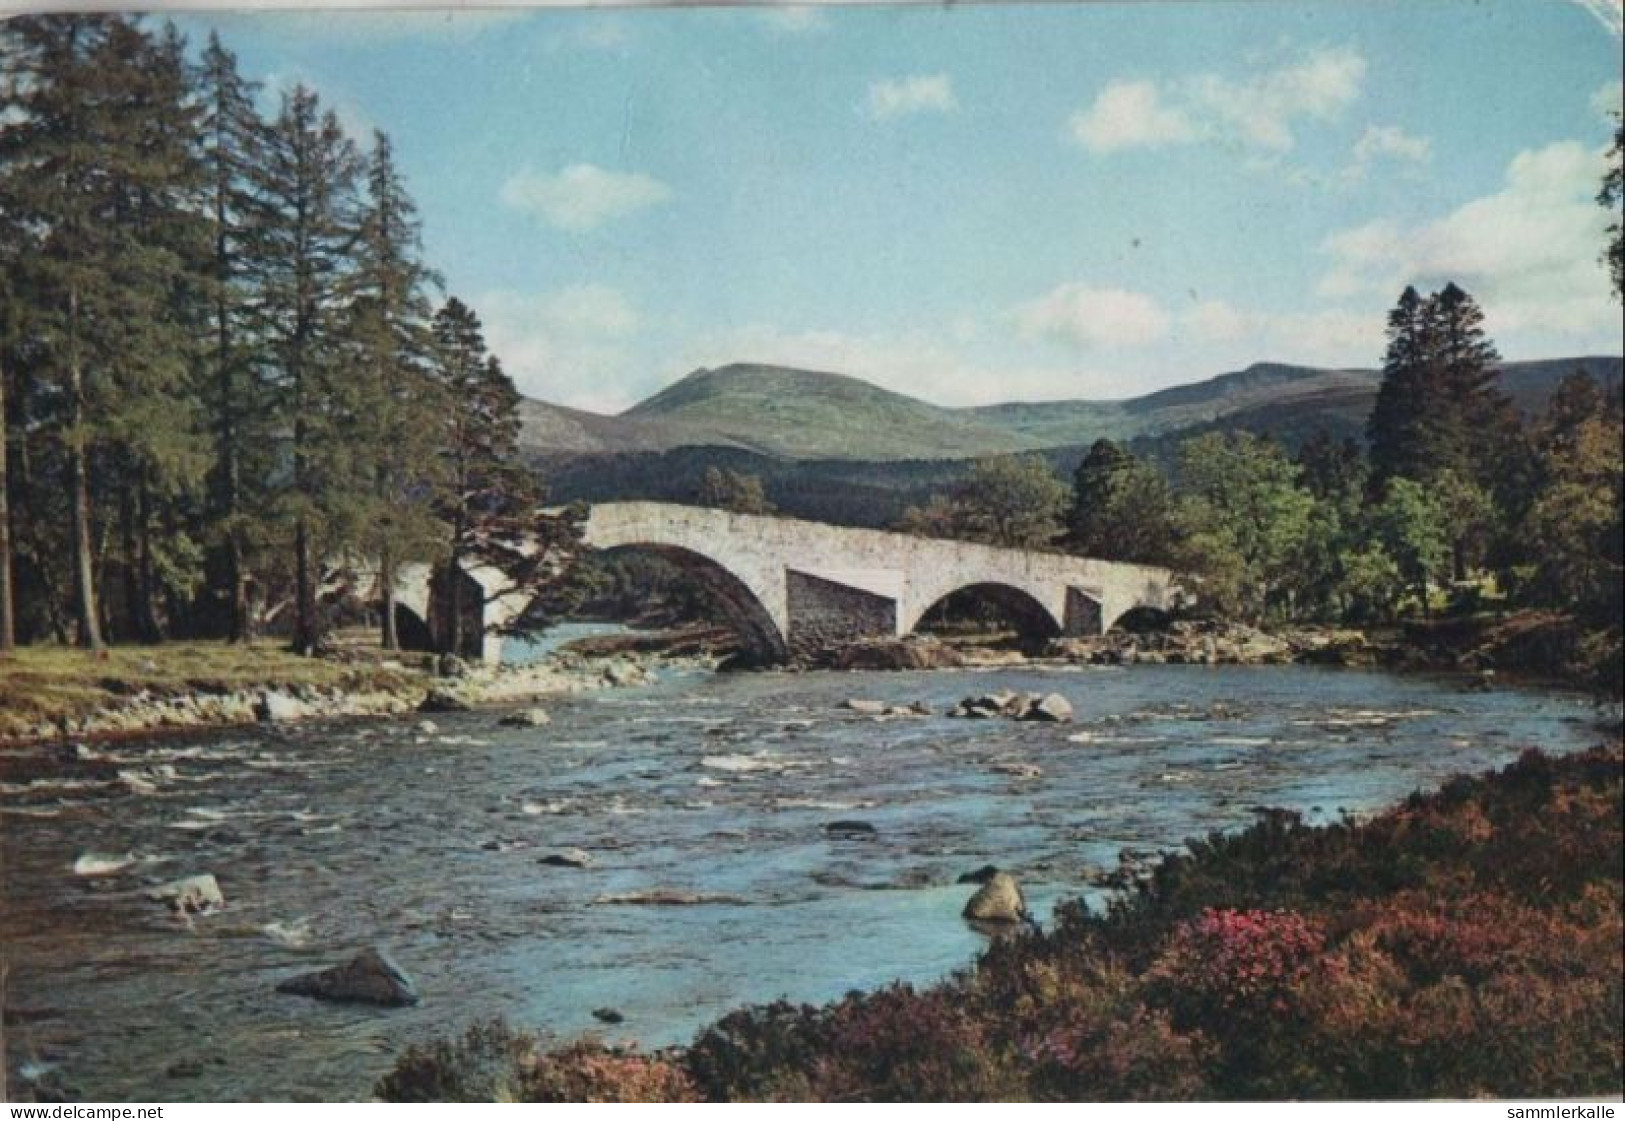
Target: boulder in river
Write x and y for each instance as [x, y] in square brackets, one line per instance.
[998, 900]
[608, 1016]
[567, 858]
[849, 829]
[1052, 708]
[101, 864]
[193, 895]
[526, 718]
[368, 978]
[865, 707]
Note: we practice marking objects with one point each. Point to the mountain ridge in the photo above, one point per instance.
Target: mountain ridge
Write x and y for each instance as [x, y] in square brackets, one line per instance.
[809, 415]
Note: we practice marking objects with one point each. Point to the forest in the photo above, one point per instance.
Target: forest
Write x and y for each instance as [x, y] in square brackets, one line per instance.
[234, 394]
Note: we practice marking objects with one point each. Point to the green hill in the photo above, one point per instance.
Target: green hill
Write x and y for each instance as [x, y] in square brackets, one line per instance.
[803, 415]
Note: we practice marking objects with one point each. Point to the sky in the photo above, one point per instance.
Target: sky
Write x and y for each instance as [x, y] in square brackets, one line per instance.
[981, 203]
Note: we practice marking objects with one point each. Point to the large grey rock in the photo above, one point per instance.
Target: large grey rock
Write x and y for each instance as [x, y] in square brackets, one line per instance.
[193, 895]
[1052, 709]
[526, 718]
[368, 978]
[998, 900]
[450, 665]
[275, 707]
[866, 708]
[443, 700]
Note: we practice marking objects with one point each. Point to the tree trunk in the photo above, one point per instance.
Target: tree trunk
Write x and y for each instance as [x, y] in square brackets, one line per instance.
[149, 629]
[386, 579]
[306, 631]
[90, 633]
[8, 622]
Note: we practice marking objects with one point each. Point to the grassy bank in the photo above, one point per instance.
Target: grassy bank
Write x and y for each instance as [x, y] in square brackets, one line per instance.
[1466, 943]
[49, 684]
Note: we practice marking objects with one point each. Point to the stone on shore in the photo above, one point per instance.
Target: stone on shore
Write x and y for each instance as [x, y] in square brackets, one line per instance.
[443, 700]
[998, 900]
[193, 895]
[898, 654]
[277, 707]
[368, 978]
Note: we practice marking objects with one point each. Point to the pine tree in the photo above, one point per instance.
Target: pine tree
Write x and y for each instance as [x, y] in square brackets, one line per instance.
[400, 407]
[303, 262]
[486, 495]
[232, 141]
[1612, 198]
[1122, 508]
[1398, 430]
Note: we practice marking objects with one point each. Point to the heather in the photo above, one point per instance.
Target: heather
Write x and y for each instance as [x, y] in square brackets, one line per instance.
[1466, 943]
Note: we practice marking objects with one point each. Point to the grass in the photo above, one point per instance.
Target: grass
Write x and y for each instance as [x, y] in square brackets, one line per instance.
[48, 682]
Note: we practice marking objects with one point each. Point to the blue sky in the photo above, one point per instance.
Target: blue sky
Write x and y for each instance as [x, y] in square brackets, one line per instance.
[982, 203]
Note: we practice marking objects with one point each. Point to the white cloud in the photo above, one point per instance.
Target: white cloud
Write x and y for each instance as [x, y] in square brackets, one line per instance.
[1321, 337]
[1130, 115]
[1261, 109]
[1093, 317]
[582, 197]
[1528, 252]
[1606, 101]
[569, 345]
[1386, 143]
[1216, 321]
[1257, 112]
[902, 97]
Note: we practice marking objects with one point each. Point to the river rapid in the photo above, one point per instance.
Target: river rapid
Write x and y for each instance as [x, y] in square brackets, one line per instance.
[327, 837]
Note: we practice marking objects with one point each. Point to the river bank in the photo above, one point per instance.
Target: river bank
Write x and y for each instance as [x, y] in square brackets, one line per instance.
[51, 692]
[1464, 944]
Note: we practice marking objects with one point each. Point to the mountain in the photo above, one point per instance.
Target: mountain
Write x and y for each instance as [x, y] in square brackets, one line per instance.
[804, 415]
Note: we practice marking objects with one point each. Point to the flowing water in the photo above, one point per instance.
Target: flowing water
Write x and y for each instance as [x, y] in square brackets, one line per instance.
[329, 837]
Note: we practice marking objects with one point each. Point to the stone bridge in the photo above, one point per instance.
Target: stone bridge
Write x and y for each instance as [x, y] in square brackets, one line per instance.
[795, 588]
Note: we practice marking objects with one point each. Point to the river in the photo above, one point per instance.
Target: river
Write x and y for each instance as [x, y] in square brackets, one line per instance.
[328, 837]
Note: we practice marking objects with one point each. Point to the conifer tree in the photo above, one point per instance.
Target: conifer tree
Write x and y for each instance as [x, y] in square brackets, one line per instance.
[304, 265]
[1397, 430]
[398, 416]
[231, 135]
[486, 495]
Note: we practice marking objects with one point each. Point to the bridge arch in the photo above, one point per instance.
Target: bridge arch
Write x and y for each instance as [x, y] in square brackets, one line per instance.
[740, 605]
[1032, 618]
